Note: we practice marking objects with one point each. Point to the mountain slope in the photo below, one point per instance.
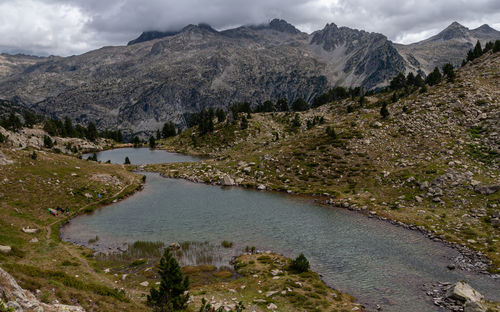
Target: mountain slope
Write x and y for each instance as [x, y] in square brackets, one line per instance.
[140, 86]
[450, 45]
[433, 164]
[164, 76]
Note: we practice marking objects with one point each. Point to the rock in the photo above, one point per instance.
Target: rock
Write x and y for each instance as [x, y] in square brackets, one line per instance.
[272, 306]
[34, 240]
[227, 180]
[23, 300]
[175, 246]
[261, 187]
[463, 292]
[29, 231]
[5, 249]
[451, 266]
[418, 199]
[145, 284]
[377, 124]
[271, 293]
[487, 189]
[471, 306]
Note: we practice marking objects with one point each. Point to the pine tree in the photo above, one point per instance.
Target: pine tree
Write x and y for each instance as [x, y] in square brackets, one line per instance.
[221, 115]
[127, 161]
[300, 105]
[152, 142]
[91, 133]
[478, 51]
[68, 128]
[434, 78]
[243, 123]
[384, 112]
[47, 141]
[30, 119]
[170, 296]
[282, 105]
[449, 72]
[496, 47]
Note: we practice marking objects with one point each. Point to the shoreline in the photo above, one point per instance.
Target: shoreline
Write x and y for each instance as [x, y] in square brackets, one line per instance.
[475, 261]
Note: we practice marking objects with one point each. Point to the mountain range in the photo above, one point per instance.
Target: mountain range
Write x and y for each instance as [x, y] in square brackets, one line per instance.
[164, 76]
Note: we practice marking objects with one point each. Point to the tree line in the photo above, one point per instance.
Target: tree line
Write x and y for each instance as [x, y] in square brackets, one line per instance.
[57, 127]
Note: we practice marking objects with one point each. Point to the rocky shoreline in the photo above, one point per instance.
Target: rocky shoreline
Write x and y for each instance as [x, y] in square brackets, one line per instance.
[469, 259]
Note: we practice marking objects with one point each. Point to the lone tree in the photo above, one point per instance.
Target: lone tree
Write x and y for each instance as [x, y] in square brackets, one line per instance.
[384, 112]
[152, 142]
[170, 296]
[127, 161]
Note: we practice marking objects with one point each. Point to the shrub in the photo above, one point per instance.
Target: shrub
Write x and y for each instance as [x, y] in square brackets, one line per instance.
[47, 141]
[300, 264]
[2, 138]
[33, 155]
[227, 244]
[330, 131]
[127, 161]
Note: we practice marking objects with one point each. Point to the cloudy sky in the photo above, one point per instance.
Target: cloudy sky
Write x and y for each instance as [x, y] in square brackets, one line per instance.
[65, 27]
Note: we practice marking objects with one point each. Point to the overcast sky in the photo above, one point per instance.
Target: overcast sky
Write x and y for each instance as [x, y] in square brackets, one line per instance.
[65, 27]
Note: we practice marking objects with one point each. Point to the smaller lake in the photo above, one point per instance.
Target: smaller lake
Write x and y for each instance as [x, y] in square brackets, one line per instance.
[141, 156]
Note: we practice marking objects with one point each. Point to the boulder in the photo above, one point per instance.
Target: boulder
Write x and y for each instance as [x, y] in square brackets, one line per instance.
[471, 306]
[463, 292]
[261, 187]
[23, 300]
[227, 180]
[487, 189]
[5, 249]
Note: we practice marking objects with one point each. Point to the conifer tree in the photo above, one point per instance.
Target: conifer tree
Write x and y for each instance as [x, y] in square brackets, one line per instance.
[171, 294]
[449, 72]
[384, 112]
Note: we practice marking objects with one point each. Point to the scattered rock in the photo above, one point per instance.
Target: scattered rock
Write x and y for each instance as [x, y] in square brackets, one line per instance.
[5, 249]
[145, 284]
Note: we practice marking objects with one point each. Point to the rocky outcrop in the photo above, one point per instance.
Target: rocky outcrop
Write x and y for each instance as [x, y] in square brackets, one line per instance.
[22, 300]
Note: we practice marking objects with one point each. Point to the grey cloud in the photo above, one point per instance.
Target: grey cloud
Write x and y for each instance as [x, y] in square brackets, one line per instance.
[111, 22]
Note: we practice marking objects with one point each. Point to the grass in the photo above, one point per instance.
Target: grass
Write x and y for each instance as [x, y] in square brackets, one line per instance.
[350, 168]
[49, 181]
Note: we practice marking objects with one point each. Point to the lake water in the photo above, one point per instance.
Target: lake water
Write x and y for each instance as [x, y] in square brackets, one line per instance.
[372, 260]
[141, 156]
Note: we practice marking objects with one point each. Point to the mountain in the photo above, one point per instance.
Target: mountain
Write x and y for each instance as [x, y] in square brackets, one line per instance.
[164, 76]
[450, 45]
[152, 80]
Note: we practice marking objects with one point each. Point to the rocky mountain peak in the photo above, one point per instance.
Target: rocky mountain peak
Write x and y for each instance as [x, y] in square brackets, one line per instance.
[151, 35]
[485, 30]
[283, 26]
[454, 31]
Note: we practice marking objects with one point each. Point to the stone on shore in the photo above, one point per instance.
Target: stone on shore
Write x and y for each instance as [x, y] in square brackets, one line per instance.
[464, 292]
[227, 180]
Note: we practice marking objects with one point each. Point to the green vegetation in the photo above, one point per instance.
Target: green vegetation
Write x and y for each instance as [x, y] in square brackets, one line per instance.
[300, 264]
[170, 295]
